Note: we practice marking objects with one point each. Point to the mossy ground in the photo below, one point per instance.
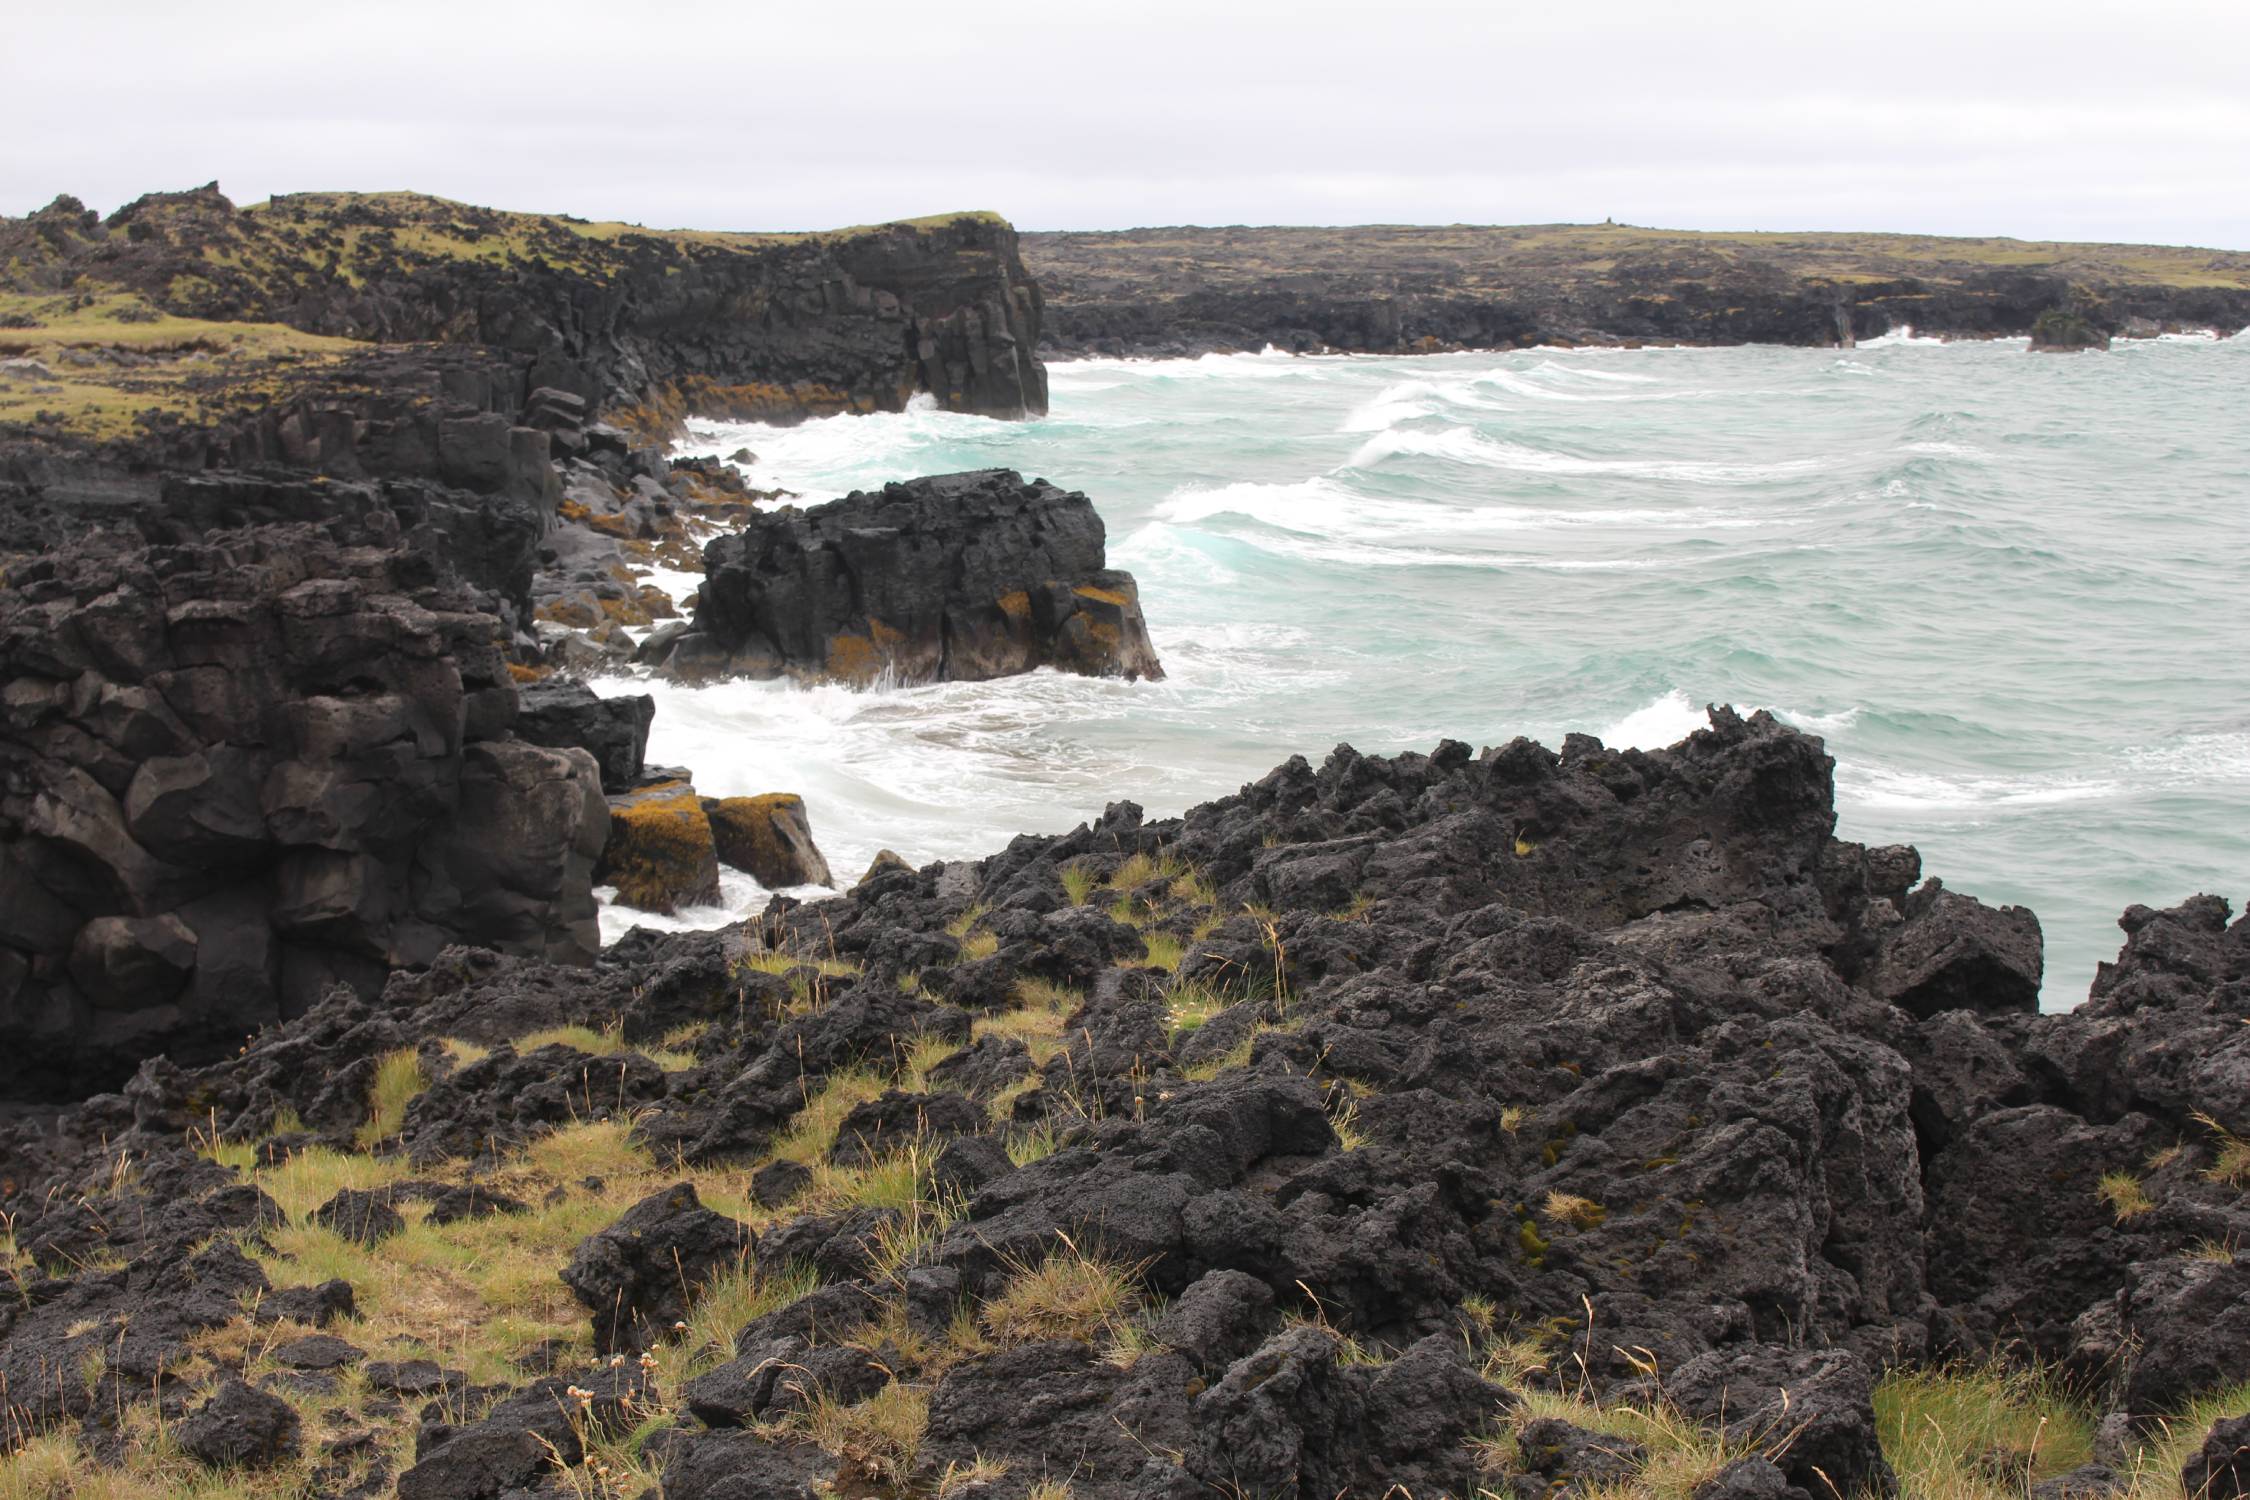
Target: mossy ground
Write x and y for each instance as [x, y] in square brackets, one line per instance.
[102, 365]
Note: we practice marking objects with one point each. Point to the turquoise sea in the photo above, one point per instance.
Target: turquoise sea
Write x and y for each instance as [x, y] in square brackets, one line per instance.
[2010, 591]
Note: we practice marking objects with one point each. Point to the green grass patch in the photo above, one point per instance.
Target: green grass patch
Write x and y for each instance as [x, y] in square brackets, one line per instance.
[1980, 1432]
[399, 1080]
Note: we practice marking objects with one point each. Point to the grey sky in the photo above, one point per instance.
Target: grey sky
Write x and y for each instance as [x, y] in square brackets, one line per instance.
[2049, 120]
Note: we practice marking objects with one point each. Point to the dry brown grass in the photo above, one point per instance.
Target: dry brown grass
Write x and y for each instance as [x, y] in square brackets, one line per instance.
[2230, 1154]
[2126, 1198]
[1979, 1432]
[1067, 1295]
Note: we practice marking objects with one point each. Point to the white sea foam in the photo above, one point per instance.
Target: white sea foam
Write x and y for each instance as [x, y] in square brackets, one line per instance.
[739, 896]
[678, 586]
[1830, 723]
[1667, 720]
[1908, 791]
[1404, 402]
[1366, 555]
[951, 770]
[1269, 363]
[1466, 446]
[1901, 337]
[1326, 507]
[1575, 372]
[2193, 759]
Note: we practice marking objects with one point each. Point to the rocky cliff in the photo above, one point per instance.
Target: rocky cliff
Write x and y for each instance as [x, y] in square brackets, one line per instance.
[186, 363]
[291, 498]
[767, 325]
[237, 771]
[1381, 289]
[1463, 1124]
[955, 578]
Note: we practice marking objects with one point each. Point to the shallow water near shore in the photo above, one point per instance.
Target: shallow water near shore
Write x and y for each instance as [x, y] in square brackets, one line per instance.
[2010, 592]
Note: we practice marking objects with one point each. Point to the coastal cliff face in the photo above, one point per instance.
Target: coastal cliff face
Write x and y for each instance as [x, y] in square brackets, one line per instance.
[770, 325]
[955, 578]
[238, 771]
[1402, 290]
[1429, 1121]
[447, 424]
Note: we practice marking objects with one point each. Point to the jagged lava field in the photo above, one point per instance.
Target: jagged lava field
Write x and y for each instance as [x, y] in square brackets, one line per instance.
[420, 1082]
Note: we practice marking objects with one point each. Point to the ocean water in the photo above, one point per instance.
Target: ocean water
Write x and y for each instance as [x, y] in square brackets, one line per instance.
[2009, 591]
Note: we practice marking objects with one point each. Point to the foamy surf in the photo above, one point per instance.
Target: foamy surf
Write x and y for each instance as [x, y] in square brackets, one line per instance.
[1945, 540]
[1466, 446]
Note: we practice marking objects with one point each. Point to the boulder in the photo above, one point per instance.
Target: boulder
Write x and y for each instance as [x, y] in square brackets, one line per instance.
[1810, 1411]
[895, 1118]
[885, 862]
[1219, 1319]
[2176, 1330]
[318, 1351]
[569, 715]
[960, 577]
[411, 1377]
[769, 838]
[524, 1437]
[660, 854]
[638, 1276]
[2061, 330]
[2220, 1469]
[1568, 1459]
[366, 1217]
[240, 1427]
[1749, 1479]
[316, 1305]
[731, 1465]
[1954, 953]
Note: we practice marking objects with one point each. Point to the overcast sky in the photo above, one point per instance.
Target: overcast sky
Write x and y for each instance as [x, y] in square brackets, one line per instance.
[2049, 120]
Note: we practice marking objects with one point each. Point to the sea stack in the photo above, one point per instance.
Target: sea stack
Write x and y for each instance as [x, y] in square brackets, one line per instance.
[956, 578]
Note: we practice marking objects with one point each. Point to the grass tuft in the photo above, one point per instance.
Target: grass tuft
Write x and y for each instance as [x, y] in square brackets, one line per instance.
[399, 1079]
[1570, 1209]
[881, 1436]
[1068, 1295]
[2230, 1154]
[2126, 1198]
[1981, 1432]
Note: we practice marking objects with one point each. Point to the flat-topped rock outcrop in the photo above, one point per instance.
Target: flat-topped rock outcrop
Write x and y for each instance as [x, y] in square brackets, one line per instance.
[1420, 289]
[955, 578]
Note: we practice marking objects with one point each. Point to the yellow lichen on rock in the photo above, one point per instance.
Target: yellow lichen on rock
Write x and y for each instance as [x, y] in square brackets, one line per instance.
[855, 659]
[661, 855]
[770, 837]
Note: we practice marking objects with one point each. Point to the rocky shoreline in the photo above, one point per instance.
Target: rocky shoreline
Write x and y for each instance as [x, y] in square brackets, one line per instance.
[267, 645]
[1419, 1123]
[1383, 289]
[1505, 1122]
